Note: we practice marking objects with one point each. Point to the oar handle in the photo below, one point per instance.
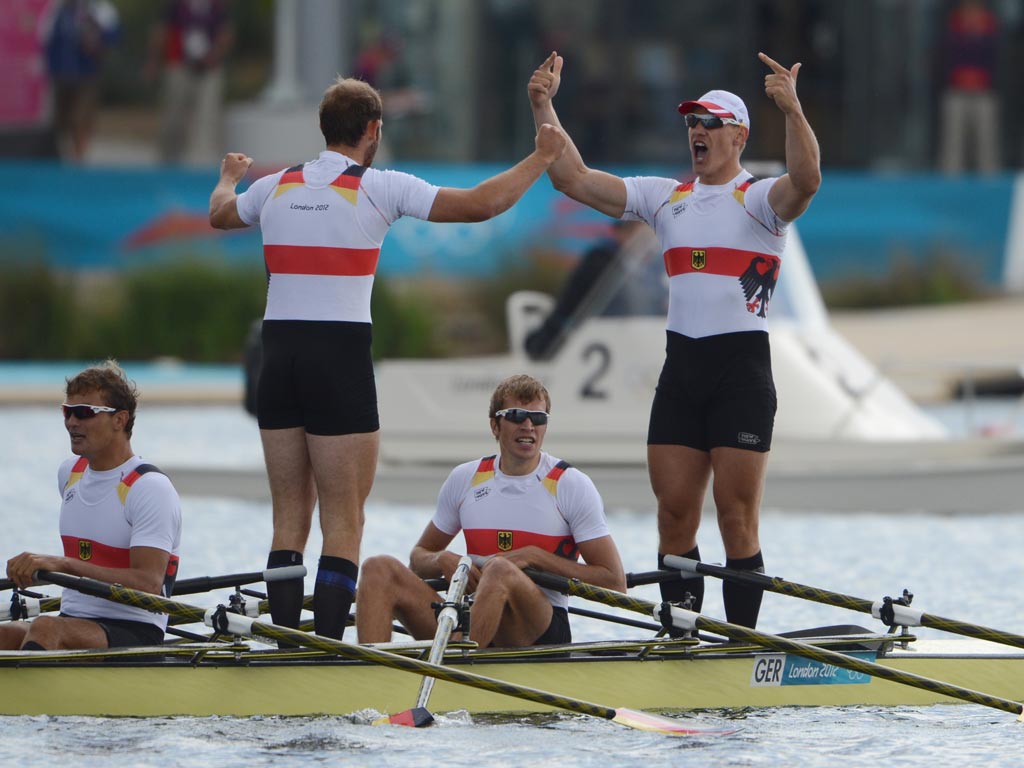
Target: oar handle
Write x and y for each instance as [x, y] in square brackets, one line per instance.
[650, 577]
[687, 565]
[548, 580]
[208, 583]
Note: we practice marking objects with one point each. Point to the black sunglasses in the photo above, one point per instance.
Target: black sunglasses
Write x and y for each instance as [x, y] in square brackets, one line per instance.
[519, 415]
[82, 412]
[708, 121]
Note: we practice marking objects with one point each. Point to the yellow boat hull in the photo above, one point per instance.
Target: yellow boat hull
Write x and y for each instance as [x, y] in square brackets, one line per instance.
[312, 686]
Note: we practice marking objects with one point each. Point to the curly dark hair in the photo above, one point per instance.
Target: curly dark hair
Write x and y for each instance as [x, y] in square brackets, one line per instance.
[110, 379]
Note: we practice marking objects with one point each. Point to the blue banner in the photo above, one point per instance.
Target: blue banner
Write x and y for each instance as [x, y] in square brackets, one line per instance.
[858, 225]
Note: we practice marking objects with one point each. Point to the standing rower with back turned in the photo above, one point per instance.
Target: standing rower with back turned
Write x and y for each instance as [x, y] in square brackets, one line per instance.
[323, 223]
[722, 236]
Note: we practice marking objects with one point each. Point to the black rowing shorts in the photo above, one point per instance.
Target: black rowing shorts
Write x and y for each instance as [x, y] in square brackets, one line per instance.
[124, 633]
[558, 631]
[317, 375]
[715, 392]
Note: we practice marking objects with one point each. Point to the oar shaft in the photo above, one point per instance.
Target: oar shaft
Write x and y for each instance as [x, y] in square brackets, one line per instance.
[745, 634]
[839, 600]
[242, 625]
[208, 583]
[6, 584]
[447, 620]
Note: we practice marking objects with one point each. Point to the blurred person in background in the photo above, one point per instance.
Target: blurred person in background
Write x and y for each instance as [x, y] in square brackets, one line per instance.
[970, 104]
[323, 224]
[381, 62]
[722, 236]
[76, 41]
[598, 285]
[188, 47]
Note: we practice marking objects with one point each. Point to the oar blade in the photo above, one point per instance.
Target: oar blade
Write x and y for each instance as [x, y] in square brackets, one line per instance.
[646, 721]
[417, 717]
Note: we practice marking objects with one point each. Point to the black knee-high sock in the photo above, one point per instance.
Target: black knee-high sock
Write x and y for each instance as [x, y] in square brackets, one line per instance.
[675, 591]
[743, 603]
[333, 595]
[285, 596]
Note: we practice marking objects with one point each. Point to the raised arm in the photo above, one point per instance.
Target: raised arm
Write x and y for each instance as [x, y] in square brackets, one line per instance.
[499, 193]
[792, 193]
[602, 191]
[223, 199]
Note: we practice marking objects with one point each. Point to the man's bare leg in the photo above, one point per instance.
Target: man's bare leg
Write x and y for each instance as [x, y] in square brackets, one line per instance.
[12, 635]
[679, 479]
[388, 590]
[509, 609]
[56, 633]
[738, 488]
[344, 467]
[293, 495]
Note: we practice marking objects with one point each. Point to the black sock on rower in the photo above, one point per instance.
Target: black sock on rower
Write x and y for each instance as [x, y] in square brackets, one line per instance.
[32, 645]
[333, 595]
[675, 591]
[743, 603]
[285, 596]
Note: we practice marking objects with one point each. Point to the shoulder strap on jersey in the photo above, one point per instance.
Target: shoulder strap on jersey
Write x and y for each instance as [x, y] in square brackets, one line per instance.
[77, 470]
[551, 479]
[484, 470]
[129, 480]
[291, 178]
[741, 189]
[348, 181]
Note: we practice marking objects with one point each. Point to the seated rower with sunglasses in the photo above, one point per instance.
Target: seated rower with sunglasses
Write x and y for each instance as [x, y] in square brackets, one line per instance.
[722, 236]
[517, 509]
[120, 521]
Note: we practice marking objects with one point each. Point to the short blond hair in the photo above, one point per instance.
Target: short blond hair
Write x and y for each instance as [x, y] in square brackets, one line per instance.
[520, 388]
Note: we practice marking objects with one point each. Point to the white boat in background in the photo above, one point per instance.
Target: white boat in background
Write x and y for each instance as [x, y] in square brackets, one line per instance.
[846, 438]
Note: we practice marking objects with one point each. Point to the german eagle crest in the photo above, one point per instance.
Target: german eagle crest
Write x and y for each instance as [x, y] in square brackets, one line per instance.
[758, 283]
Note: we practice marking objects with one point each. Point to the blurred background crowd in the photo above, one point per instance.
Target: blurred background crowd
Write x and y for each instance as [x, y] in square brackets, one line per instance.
[114, 115]
[887, 84]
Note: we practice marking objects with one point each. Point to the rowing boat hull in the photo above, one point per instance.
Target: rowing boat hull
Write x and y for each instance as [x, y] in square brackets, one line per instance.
[312, 687]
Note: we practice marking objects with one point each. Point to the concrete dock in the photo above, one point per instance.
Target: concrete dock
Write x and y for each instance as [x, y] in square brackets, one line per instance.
[928, 350]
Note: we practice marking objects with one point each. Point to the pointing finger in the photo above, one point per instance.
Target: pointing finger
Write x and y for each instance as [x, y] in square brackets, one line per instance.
[548, 61]
[778, 68]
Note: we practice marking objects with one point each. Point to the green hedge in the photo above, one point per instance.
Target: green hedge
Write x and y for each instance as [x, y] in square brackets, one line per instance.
[192, 309]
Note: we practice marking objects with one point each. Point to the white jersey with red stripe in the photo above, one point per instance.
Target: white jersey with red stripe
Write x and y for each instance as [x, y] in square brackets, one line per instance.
[105, 514]
[556, 507]
[323, 225]
[722, 247]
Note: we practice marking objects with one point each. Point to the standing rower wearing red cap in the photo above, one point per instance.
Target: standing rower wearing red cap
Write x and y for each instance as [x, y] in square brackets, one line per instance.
[722, 236]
